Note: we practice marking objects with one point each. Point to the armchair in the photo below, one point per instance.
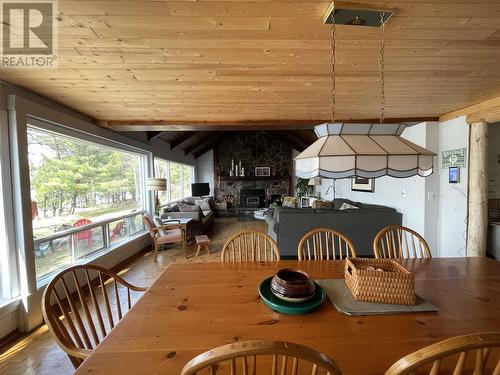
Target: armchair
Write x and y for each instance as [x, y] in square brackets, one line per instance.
[164, 234]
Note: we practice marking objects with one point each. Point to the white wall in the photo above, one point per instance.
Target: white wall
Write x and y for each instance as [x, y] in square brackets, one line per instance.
[430, 205]
[205, 169]
[452, 222]
[494, 161]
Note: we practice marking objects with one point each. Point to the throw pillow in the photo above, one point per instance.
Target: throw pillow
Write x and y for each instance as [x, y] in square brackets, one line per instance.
[183, 207]
[290, 201]
[203, 203]
[190, 208]
[189, 200]
[322, 205]
[171, 208]
[159, 223]
[348, 206]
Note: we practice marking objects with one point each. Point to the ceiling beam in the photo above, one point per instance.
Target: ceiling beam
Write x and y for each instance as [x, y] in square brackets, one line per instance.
[181, 139]
[292, 140]
[208, 138]
[306, 135]
[167, 125]
[488, 111]
[206, 146]
[150, 135]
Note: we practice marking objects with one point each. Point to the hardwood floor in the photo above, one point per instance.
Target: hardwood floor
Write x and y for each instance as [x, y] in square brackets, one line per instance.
[37, 353]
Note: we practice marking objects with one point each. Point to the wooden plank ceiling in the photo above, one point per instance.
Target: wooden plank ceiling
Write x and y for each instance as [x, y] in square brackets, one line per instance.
[209, 63]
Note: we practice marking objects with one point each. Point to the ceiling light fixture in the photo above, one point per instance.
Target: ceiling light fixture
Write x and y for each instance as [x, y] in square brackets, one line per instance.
[366, 150]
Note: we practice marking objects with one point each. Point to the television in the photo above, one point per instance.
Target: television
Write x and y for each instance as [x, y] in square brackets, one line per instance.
[200, 189]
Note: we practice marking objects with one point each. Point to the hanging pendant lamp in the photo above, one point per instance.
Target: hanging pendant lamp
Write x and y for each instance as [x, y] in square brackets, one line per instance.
[362, 150]
[368, 150]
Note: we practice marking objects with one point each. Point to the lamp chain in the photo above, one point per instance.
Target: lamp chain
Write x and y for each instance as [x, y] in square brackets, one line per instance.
[381, 64]
[332, 77]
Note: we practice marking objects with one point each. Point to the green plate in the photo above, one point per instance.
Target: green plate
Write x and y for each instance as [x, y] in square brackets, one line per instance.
[290, 308]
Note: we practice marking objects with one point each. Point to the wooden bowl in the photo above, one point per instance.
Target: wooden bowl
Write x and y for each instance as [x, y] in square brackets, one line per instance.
[292, 285]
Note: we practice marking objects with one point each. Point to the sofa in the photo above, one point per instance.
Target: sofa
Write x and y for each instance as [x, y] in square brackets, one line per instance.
[203, 217]
[287, 225]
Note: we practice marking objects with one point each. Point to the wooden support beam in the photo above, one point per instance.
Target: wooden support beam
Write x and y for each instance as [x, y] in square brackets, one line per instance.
[478, 190]
[488, 111]
[209, 144]
[152, 135]
[292, 140]
[209, 138]
[181, 139]
[166, 125]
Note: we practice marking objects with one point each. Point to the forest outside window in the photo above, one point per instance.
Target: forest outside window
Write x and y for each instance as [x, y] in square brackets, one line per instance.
[78, 184]
[179, 179]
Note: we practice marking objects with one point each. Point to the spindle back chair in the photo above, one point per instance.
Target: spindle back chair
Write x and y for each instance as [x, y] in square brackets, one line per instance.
[82, 304]
[396, 241]
[250, 246]
[265, 357]
[325, 243]
[477, 354]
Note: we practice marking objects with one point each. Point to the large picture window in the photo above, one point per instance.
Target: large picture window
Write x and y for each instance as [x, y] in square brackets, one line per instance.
[179, 179]
[85, 197]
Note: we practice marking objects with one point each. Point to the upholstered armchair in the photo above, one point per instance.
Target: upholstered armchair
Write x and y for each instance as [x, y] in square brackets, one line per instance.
[164, 234]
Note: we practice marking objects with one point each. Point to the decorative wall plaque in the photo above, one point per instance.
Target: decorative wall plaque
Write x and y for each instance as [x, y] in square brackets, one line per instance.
[454, 158]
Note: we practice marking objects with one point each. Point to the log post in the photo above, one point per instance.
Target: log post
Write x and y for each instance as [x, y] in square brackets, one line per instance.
[478, 190]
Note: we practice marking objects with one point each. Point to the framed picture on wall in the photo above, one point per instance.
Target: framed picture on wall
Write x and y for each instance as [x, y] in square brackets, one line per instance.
[262, 171]
[366, 185]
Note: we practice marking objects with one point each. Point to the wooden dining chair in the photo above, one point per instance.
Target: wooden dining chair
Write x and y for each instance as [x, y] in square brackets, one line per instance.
[82, 304]
[164, 234]
[250, 246]
[468, 354]
[269, 357]
[396, 241]
[325, 243]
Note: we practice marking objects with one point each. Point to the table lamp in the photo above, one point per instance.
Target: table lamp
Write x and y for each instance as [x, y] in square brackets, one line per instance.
[315, 181]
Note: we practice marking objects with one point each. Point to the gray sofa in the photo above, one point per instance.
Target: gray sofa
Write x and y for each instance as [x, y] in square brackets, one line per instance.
[202, 220]
[288, 225]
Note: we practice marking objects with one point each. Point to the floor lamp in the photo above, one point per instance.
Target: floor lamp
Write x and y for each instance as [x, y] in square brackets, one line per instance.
[155, 185]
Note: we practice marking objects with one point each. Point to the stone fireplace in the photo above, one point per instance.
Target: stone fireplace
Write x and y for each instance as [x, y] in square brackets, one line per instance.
[253, 149]
[252, 198]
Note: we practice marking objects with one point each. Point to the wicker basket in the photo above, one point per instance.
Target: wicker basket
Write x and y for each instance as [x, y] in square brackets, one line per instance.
[396, 285]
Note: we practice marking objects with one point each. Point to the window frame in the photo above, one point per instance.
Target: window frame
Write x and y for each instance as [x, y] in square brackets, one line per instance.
[9, 281]
[169, 180]
[19, 110]
[47, 127]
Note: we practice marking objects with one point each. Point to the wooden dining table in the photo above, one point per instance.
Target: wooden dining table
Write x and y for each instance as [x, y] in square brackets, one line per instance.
[193, 307]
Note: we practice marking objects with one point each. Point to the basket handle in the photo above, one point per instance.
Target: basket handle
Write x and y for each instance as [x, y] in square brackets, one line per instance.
[349, 269]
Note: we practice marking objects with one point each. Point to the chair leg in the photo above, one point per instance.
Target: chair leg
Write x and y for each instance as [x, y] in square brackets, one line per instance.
[208, 248]
[155, 252]
[75, 361]
[197, 248]
[183, 244]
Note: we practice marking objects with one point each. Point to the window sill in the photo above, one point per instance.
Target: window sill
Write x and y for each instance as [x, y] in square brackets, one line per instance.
[45, 280]
[8, 306]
